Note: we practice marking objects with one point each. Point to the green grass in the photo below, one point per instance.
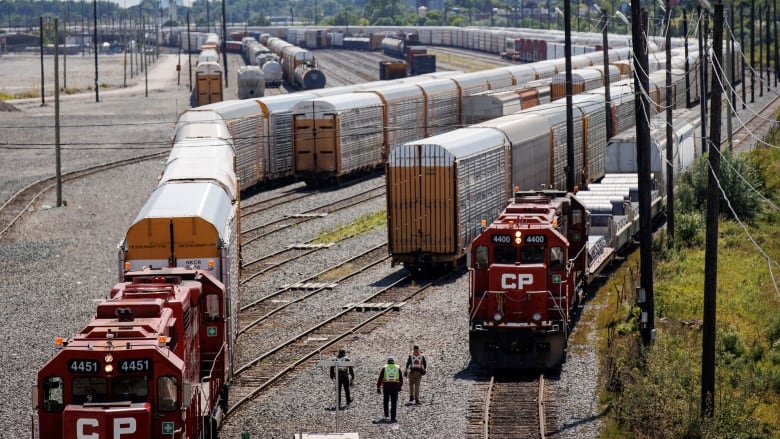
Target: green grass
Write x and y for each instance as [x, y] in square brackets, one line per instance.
[656, 392]
[361, 225]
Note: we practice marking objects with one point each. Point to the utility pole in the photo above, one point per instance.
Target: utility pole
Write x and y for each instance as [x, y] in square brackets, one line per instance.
[642, 111]
[669, 132]
[224, 44]
[711, 246]
[189, 49]
[687, 66]
[58, 167]
[570, 174]
[702, 80]
[742, 47]
[607, 96]
[95, 37]
[752, 51]
[43, 81]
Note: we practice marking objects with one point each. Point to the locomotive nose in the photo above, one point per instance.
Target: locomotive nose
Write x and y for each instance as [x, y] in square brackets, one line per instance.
[112, 420]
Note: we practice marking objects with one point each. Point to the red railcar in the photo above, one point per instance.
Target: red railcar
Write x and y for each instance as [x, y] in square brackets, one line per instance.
[151, 363]
[527, 274]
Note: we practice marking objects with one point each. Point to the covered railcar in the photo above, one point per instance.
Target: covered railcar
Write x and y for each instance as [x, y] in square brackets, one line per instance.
[438, 190]
[335, 136]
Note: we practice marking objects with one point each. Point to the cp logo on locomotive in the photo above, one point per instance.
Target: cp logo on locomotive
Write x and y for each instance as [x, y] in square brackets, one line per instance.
[122, 426]
[512, 281]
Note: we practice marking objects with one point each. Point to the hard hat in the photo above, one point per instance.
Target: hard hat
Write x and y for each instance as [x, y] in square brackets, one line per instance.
[390, 359]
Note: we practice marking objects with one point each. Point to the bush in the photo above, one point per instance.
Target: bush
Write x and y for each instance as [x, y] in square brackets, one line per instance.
[739, 180]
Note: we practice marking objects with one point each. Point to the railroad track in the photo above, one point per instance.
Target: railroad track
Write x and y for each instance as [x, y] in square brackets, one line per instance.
[259, 310]
[23, 200]
[745, 135]
[515, 407]
[270, 367]
[340, 61]
[252, 234]
[260, 206]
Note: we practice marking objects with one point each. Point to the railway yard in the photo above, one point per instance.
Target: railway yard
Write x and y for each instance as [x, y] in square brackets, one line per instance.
[304, 295]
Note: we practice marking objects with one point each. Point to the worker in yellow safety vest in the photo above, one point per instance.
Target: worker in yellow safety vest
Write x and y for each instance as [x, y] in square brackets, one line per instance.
[391, 381]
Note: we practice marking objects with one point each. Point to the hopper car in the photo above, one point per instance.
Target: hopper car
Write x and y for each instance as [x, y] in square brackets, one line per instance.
[156, 359]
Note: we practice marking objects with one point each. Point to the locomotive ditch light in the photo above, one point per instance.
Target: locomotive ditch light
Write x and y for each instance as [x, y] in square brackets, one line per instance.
[497, 317]
[536, 317]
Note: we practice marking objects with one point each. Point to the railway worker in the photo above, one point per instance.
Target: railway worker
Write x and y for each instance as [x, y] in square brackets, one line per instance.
[416, 367]
[346, 376]
[391, 381]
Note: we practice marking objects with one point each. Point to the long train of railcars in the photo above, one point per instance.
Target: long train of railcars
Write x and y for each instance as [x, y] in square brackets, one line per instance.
[257, 54]
[208, 73]
[441, 188]
[156, 359]
[530, 268]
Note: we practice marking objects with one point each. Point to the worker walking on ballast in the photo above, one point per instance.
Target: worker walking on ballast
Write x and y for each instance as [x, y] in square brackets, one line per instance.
[346, 375]
[416, 367]
[391, 381]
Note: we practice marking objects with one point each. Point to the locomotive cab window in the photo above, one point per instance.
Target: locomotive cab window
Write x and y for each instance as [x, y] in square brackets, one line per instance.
[531, 254]
[86, 389]
[556, 258]
[212, 307]
[53, 400]
[481, 257]
[132, 387]
[504, 254]
[167, 400]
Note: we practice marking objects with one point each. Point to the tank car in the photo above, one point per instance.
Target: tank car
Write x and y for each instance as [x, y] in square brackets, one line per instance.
[152, 363]
[272, 70]
[309, 77]
[251, 82]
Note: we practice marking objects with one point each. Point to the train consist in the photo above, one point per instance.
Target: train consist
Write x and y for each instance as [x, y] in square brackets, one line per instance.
[256, 54]
[208, 70]
[529, 269]
[299, 66]
[156, 360]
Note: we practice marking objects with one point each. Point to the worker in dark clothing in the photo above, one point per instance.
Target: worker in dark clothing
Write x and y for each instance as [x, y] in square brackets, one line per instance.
[391, 381]
[416, 367]
[346, 375]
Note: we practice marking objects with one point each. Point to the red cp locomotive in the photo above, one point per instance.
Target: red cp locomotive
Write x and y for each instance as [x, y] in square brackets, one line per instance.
[526, 277]
[152, 363]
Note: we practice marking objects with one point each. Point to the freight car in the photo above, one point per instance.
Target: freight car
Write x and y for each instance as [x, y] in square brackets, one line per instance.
[251, 82]
[530, 268]
[208, 79]
[416, 246]
[156, 360]
[291, 57]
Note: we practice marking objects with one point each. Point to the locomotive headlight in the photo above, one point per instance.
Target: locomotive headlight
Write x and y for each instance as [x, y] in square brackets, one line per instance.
[518, 237]
[536, 317]
[109, 368]
[497, 317]
[108, 358]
